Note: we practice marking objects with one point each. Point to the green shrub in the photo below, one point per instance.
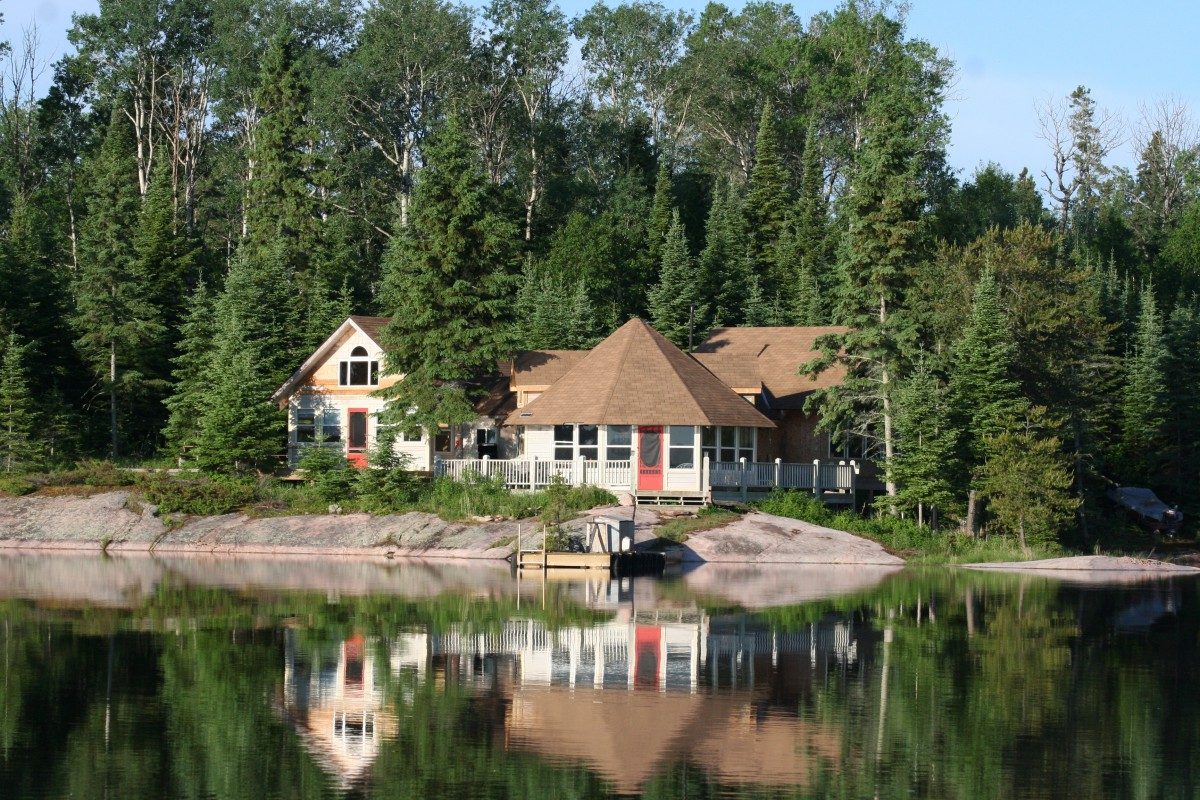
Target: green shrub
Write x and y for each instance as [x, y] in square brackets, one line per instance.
[16, 485]
[903, 536]
[202, 495]
[330, 473]
[91, 472]
[475, 495]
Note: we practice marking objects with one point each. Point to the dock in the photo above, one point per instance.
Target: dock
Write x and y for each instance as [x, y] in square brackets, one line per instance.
[604, 552]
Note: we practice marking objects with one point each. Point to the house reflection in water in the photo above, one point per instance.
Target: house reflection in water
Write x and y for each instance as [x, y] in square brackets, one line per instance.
[331, 698]
[625, 698]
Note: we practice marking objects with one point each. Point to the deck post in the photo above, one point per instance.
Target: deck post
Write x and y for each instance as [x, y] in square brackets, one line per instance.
[745, 490]
[577, 471]
[533, 474]
[778, 470]
[705, 482]
[487, 466]
[816, 477]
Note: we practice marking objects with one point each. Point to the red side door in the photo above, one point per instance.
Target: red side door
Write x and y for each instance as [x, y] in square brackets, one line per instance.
[650, 458]
[356, 442]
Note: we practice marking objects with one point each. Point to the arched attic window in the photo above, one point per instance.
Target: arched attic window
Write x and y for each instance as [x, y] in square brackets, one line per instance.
[359, 369]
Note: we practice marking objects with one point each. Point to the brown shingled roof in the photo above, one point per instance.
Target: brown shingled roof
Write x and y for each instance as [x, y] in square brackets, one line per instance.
[372, 326]
[637, 377]
[541, 368]
[774, 355]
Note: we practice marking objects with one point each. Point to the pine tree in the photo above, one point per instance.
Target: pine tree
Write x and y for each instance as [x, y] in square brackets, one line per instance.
[1144, 397]
[982, 388]
[879, 250]
[767, 204]
[927, 468]
[192, 373]
[118, 325]
[449, 277]
[19, 448]
[1027, 478]
[677, 307]
[723, 262]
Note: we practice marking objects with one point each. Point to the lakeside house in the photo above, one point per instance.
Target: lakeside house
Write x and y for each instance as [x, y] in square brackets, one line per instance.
[635, 413]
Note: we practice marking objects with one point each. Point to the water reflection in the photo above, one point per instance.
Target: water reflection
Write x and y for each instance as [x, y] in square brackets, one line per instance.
[220, 679]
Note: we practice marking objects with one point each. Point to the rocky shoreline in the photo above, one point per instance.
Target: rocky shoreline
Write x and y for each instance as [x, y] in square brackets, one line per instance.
[116, 521]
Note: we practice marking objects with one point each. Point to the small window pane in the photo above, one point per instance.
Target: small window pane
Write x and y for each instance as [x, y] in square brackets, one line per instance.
[564, 433]
[728, 454]
[711, 453]
[589, 453]
[619, 453]
[563, 453]
[708, 437]
[589, 435]
[358, 373]
[621, 435]
[358, 352]
[306, 426]
[728, 437]
[681, 457]
[682, 435]
[374, 373]
[344, 373]
[745, 437]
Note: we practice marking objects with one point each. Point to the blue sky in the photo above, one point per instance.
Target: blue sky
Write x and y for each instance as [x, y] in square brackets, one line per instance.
[1010, 55]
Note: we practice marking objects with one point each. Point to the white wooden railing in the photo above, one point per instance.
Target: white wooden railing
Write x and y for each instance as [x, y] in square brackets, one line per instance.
[535, 474]
[818, 477]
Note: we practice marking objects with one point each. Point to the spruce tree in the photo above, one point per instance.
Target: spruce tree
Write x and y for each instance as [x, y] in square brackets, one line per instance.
[1026, 479]
[1144, 396]
[240, 429]
[1183, 391]
[767, 203]
[927, 467]
[660, 215]
[678, 309]
[448, 282]
[119, 327]
[723, 261]
[20, 449]
[583, 330]
[193, 366]
[982, 388]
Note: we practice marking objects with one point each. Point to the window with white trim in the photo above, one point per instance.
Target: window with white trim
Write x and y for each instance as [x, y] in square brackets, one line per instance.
[618, 443]
[315, 424]
[681, 441]
[564, 442]
[724, 443]
[358, 370]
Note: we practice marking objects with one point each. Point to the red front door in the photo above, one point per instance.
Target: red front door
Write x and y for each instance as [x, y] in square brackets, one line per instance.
[650, 458]
[356, 443]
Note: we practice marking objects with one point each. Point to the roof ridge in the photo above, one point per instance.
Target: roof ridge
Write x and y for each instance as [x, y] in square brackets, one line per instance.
[655, 337]
[612, 389]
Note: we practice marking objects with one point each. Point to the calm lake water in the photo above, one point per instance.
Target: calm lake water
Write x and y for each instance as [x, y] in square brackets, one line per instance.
[140, 677]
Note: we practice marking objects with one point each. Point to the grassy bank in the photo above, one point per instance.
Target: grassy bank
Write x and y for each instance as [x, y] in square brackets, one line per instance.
[912, 542]
[346, 491]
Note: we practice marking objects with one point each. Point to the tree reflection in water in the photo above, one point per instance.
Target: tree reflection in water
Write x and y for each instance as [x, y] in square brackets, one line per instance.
[931, 683]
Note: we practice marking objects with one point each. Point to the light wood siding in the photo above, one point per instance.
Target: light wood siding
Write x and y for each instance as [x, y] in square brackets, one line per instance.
[322, 388]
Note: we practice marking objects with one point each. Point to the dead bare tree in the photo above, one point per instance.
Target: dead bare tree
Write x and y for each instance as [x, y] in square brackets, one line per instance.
[1080, 137]
[22, 71]
[1169, 135]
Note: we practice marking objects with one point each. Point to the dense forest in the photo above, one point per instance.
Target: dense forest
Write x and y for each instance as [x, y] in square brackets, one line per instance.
[192, 200]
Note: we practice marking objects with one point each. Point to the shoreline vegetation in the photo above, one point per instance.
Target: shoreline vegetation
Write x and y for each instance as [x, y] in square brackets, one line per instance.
[179, 498]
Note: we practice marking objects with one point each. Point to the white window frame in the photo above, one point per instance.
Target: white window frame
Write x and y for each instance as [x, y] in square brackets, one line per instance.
[346, 368]
[690, 447]
[739, 447]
